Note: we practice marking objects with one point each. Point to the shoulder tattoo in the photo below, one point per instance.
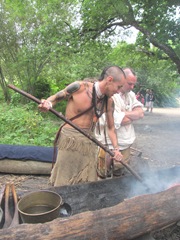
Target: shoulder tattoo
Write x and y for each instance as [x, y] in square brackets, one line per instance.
[73, 87]
[68, 91]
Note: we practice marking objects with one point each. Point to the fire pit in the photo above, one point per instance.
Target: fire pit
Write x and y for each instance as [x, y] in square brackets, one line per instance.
[106, 209]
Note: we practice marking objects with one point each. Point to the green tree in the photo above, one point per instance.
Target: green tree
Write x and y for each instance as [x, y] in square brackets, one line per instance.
[47, 44]
[155, 20]
[152, 73]
[41, 44]
[34, 36]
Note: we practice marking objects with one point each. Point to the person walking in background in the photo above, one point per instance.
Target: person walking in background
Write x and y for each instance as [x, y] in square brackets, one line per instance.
[127, 110]
[147, 100]
[140, 97]
[76, 160]
[151, 99]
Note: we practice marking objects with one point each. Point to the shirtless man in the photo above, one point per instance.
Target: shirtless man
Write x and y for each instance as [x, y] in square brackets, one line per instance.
[77, 155]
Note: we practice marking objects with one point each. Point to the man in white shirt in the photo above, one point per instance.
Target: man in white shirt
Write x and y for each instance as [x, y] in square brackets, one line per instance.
[127, 110]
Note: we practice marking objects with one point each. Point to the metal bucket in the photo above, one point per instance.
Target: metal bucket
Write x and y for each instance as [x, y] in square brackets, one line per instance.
[39, 207]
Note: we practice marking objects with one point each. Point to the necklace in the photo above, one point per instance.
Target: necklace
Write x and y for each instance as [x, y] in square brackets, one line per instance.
[126, 102]
[98, 100]
[98, 91]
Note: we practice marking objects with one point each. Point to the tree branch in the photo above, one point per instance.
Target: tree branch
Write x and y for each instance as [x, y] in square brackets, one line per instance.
[165, 48]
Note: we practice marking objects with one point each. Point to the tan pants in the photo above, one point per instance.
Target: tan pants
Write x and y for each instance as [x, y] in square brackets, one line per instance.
[118, 167]
[105, 163]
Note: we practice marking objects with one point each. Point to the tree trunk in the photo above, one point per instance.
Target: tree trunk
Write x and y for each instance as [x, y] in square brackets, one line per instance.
[3, 85]
[127, 220]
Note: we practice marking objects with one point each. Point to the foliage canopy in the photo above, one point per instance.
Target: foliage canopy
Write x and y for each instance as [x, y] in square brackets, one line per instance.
[47, 44]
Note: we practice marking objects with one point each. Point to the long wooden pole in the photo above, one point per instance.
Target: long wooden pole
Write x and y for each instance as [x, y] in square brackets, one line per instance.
[61, 116]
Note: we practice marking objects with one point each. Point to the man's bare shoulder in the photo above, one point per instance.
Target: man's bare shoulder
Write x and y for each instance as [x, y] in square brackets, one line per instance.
[85, 85]
[77, 86]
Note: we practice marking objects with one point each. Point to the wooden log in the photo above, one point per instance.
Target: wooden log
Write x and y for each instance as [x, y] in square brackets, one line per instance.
[107, 193]
[127, 220]
[25, 167]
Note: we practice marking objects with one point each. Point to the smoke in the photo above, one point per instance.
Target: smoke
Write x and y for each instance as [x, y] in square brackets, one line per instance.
[155, 181]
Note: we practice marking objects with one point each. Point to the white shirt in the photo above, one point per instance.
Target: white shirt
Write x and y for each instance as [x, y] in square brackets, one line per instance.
[125, 134]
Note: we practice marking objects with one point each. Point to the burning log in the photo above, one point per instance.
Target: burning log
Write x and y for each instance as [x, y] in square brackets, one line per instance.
[127, 220]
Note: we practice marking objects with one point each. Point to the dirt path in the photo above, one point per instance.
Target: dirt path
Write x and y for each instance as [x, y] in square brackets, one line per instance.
[158, 136]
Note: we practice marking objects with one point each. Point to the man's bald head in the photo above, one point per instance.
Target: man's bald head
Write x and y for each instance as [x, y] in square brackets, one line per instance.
[130, 81]
[129, 71]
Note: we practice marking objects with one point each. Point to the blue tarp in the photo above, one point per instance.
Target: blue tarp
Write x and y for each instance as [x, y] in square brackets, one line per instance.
[20, 152]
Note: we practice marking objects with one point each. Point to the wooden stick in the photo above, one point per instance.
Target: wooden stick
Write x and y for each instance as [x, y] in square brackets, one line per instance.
[8, 218]
[135, 149]
[61, 116]
[15, 220]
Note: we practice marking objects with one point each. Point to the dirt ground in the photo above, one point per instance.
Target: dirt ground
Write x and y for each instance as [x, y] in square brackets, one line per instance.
[156, 146]
[158, 137]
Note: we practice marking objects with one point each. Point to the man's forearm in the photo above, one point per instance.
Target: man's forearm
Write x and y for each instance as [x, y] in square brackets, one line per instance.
[126, 121]
[52, 99]
[113, 137]
[135, 114]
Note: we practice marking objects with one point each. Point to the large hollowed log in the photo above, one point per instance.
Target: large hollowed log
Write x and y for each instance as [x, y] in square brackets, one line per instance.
[129, 219]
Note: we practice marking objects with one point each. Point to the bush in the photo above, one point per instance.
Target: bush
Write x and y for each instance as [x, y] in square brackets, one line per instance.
[24, 126]
[42, 89]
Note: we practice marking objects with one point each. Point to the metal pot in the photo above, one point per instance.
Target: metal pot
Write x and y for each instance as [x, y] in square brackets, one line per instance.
[39, 207]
